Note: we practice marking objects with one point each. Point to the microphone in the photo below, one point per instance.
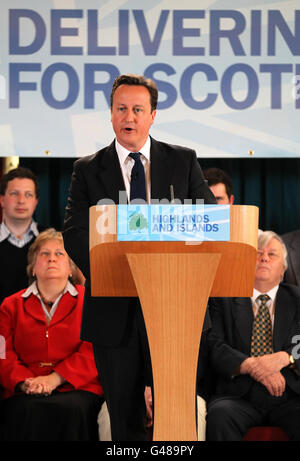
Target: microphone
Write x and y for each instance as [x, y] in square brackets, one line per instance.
[172, 193]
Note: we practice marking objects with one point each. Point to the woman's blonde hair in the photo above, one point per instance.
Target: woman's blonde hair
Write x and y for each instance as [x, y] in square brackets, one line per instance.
[48, 234]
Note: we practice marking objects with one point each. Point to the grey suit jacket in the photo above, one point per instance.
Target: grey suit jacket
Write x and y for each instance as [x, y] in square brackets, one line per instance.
[99, 177]
[230, 338]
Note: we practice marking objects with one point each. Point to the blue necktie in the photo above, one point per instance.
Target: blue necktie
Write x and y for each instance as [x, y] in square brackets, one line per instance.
[137, 182]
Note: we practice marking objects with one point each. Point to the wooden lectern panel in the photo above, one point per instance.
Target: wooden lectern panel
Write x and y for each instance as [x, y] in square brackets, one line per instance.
[173, 281]
[173, 290]
[235, 275]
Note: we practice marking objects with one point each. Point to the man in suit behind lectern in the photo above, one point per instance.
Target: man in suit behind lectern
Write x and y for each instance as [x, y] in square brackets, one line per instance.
[115, 326]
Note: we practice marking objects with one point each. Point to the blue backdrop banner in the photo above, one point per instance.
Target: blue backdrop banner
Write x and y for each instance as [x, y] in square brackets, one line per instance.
[228, 73]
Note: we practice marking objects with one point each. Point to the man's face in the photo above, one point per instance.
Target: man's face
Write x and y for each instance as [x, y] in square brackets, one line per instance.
[269, 263]
[131, 116]
[219, 191]
[19, 200]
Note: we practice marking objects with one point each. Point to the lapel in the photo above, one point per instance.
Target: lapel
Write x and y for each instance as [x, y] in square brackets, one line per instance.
[243, 316]
[284, 317]
[161, 171]
[65, 306]
[33, 307]
[110, 174]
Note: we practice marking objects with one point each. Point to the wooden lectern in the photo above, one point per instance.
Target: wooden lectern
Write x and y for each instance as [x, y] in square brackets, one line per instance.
[173, 281]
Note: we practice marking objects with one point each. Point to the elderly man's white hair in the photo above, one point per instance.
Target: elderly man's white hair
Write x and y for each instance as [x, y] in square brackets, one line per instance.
[264, 238]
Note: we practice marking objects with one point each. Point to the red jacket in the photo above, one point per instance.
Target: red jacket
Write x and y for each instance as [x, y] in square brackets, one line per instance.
[35, 349]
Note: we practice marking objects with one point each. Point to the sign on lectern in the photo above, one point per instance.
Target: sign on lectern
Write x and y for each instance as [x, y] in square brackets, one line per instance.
[139, 252]
[183, 223]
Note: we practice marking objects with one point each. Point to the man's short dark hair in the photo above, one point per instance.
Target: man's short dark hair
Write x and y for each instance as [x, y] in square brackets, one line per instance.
[137, 80]
[21, 173]
[216, 176]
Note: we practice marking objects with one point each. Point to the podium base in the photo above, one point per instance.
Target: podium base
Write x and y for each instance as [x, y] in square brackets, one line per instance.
[173, 291]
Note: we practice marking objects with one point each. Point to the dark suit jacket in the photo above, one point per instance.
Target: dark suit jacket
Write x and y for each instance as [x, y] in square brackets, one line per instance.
[230, 338]
[99, 177]
[13, 275]
[292, 242]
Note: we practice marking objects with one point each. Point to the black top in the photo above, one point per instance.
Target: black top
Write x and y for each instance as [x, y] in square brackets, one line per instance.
[13, 265]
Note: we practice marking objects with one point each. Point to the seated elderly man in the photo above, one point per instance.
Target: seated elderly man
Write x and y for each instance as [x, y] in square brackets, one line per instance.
[254, 352]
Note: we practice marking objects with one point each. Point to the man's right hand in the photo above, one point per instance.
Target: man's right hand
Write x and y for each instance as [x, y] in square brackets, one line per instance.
[274, 382]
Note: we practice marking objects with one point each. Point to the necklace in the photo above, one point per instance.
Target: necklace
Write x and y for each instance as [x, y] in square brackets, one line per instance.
[48, 304]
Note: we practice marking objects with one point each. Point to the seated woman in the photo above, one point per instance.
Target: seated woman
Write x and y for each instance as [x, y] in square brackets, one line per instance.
[51, 385]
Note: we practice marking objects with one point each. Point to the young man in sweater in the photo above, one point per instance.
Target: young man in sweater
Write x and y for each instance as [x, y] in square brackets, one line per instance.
[19, 190]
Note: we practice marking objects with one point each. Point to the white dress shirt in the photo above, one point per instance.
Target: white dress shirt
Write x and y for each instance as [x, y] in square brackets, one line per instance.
[31, 232]
[127, 163]
[270, 303]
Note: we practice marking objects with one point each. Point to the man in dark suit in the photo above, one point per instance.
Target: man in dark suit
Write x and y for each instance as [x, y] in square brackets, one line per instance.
[254, 352]
[292, 242]
[115, 326]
